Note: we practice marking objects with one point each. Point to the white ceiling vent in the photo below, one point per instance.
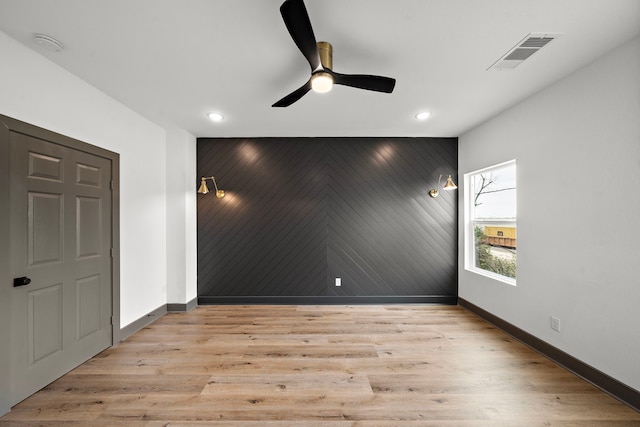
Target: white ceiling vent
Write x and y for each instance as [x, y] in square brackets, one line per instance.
[48, 42]
[522, 50]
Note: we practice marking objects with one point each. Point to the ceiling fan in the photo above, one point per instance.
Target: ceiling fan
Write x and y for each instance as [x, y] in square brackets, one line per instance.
[320, 57]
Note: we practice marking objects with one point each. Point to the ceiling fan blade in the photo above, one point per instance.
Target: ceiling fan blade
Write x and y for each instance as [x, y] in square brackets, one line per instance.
[294, 96]
[364, 81]
[297, 21]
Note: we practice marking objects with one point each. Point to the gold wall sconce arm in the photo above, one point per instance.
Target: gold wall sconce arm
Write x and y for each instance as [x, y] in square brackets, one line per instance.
[448, 186]
[204, 189]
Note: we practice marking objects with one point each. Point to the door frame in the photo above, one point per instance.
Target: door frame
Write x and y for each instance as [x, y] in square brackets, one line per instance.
[8, 125]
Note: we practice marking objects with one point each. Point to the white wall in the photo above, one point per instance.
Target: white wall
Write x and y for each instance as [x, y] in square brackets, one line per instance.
[577, 146]
[36, 91]
[181, 217]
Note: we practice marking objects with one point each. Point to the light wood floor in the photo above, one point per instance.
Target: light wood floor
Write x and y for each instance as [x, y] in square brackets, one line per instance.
[320, 366]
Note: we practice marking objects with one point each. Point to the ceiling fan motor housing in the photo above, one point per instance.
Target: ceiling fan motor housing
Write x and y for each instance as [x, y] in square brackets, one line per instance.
[325, 50]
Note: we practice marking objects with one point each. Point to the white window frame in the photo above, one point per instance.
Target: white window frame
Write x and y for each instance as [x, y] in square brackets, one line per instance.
[469, 236]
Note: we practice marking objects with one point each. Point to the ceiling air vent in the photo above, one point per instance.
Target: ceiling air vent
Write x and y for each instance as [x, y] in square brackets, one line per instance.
[522, 50]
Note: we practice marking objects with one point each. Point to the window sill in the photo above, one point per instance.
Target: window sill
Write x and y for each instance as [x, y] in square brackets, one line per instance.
[494, 276]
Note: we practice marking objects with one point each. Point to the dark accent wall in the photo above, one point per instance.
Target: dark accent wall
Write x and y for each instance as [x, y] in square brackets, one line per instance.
[300, 212]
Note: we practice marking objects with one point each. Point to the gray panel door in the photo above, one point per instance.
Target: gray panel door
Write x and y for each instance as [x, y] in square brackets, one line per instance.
[60, 239]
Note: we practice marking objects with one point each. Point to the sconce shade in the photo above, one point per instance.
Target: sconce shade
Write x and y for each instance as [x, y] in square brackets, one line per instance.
[203, 187]
[449, 185]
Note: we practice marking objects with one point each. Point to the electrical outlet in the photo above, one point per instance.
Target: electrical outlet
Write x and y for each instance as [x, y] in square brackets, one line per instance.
[338, 281]
[555, 323]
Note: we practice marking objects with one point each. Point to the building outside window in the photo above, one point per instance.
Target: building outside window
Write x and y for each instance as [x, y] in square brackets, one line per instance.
[491, 238]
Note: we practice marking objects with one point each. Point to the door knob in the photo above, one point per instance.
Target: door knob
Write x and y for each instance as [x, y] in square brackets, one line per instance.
[21, 281]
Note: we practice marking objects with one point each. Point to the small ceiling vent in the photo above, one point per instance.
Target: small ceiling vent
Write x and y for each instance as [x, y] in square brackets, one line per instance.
[48, 42]
[522, 50]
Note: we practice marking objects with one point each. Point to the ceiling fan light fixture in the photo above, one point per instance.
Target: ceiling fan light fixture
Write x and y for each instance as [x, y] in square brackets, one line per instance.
[321, 82]
[319, 55]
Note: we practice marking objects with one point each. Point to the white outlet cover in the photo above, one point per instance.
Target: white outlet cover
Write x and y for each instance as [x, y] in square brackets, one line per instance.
[338, 281]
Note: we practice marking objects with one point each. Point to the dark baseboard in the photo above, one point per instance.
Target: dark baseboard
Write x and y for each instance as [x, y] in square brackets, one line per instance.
[329, 300]
[183, 308]
[136, 325]
[609, 385]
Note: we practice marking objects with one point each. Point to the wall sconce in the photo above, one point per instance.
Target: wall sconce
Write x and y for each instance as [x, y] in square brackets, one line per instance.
[448, 185]
[204, 189]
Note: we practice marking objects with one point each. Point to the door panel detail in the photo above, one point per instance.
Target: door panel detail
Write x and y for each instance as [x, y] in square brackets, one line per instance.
[89, 307]
[45, 167]
[45, 322]
[45, 229]
[88, 175]
[88, 227]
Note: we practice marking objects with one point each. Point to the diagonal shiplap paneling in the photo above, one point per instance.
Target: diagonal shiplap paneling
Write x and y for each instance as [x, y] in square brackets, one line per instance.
[267, 237]
[301, 211]
[386, 235]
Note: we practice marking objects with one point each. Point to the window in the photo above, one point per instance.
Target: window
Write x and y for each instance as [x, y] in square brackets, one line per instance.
[491, 238]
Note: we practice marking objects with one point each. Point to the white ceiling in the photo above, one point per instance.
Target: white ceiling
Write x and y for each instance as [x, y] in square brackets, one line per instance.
[174, 61]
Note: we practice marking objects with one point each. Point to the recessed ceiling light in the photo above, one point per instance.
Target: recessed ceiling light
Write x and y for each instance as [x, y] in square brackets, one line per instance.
[424, 115]
[48, 42]
[216, 117]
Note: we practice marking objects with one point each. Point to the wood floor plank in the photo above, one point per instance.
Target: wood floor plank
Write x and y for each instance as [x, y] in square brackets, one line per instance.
[320, 366]
[346, 387]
